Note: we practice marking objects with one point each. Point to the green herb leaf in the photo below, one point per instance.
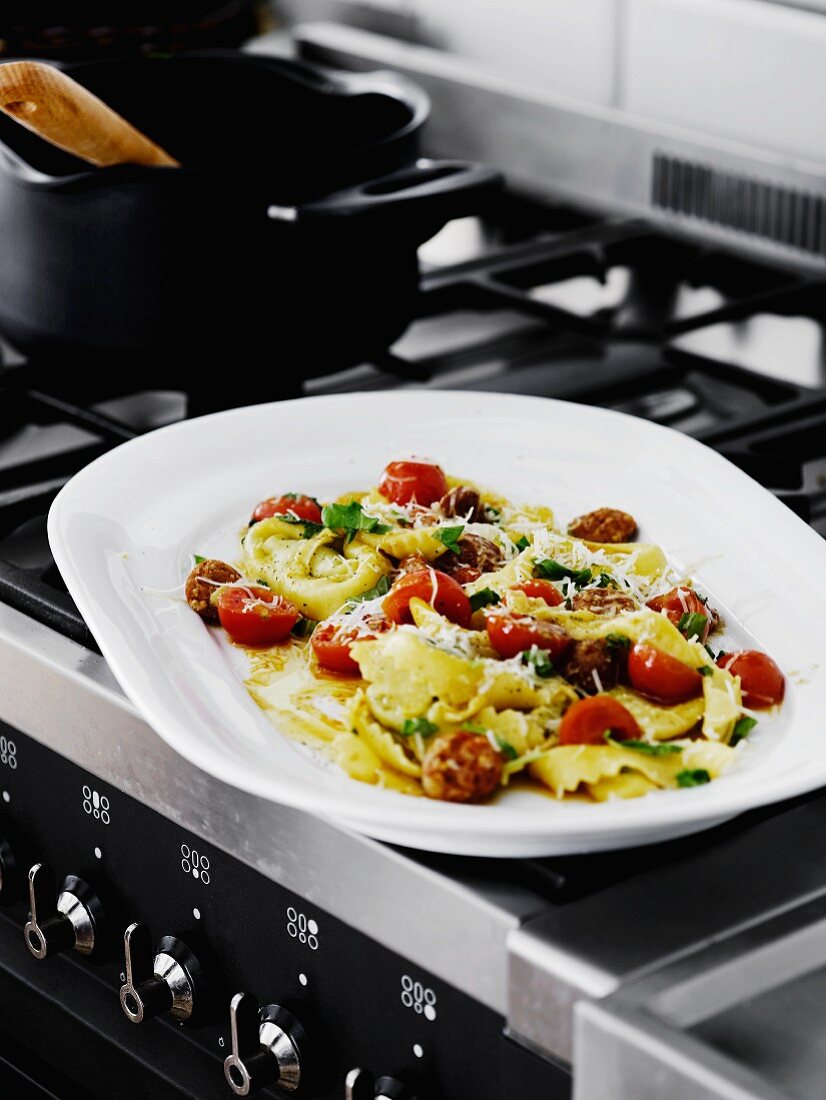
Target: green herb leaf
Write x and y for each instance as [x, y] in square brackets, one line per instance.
[710, 651]
[555, 571]
[607, 581]
[304, 628]
[618, 641]
[521, 543]
[539, 661]
[311, 529]
[742, 728]
[506, 748]
[644, 747]
[421, 726]
[692, 625]
[381, 588]
[492, 515]
[198, 559]
[693, 777]
[351, 518]
[484, 598]
[706, 670]
[449, 536]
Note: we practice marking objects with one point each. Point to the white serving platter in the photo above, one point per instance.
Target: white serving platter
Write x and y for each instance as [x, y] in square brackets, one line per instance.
[123, 531]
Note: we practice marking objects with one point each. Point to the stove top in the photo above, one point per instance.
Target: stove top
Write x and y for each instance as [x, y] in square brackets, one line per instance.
[536, 299]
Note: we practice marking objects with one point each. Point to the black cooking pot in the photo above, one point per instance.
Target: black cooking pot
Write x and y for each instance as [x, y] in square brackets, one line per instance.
[291, 230]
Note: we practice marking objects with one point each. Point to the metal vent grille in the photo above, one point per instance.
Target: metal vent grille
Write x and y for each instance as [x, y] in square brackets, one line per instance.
[789, 217]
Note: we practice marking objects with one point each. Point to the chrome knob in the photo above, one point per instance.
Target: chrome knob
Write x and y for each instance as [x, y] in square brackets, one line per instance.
[359, 1084]
[156, 983]
[67, 921]
[267, 1047]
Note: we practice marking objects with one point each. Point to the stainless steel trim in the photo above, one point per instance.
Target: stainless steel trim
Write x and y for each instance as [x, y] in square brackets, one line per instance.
[281, 1047]
[561, 148]
[65, 697]
[169, 970]
[81, 920]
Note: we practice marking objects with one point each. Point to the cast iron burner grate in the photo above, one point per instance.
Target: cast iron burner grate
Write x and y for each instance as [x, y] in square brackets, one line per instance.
[541, 301]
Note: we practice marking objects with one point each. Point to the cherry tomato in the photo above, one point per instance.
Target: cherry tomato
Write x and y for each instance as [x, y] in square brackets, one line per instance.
[331, 642]
[684, 601]
[412, 481]
[511, 634]
[541, 590]
[255, 616]
[292, 505]
[442, 592]
[761, 681]
[587, 722]
[658, 674]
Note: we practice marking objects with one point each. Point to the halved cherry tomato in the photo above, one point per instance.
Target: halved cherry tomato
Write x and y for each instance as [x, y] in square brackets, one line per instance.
[410, 480]
[684, 601]
[255, 616]
[658, 674]
[761, 681]
[541, 590]
[442, 592]
[293, 504]
[588, 721]
[511, 634]
[331, 641]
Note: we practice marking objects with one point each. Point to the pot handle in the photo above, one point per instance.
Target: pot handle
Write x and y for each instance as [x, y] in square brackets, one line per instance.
[422, 196]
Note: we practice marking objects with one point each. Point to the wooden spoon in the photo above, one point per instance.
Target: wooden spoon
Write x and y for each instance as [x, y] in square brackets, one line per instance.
[63, 112]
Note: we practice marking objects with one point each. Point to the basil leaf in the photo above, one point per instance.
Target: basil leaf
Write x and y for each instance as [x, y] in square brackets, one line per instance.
[618, 641]
[506, 748]
[742, 728]
[539, 661]
[381, 588]
[706, 670]
[521, 543]
[693, 777]
[304, 628]
[449, 536]
[644, 747]
[492, 515]
[555, 571]
[311, 529]
[198, 559]
[607, 581]
[692, 625]
[351, 518]
[421, 726]
[484, 598]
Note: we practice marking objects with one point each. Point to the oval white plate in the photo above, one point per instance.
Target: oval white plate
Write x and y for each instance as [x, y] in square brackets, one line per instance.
[129, 522]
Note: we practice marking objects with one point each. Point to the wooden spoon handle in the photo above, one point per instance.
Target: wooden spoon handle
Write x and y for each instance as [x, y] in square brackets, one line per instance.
[58, 109]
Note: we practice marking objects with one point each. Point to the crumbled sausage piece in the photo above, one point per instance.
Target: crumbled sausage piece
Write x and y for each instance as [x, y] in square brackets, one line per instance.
[198, 589]
[604, 525]
[413, 563]
[590, 656]
[475, 555]
[602, 601]
[461, 767]
[464, 502]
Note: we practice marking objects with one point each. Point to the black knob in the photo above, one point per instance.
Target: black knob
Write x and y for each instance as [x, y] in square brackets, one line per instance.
[169, 980]
[71, 920]
[361, 1085]
[268, 1047]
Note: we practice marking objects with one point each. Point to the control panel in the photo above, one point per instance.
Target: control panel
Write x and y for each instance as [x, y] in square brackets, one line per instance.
[113, 916]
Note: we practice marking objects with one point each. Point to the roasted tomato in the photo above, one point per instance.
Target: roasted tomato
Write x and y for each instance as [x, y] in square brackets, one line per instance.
[541, 590]
[442, 592]
[412, 481]
[255, 616]
[661, 676]
[511, 634]
[291, 504]
[588, 721]
[331, 641]
[761, 681]
[685, 601]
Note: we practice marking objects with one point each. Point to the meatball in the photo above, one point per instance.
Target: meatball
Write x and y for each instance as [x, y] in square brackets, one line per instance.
[198, 588]
[602, 601]
[464, 502]
[604, 525]
[413, 563]
[475, 555]
[461, 767]
[592, 665]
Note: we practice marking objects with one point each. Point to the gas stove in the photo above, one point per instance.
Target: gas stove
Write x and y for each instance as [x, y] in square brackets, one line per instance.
[636, 974]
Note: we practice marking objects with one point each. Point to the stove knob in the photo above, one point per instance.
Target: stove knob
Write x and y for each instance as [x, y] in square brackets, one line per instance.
[72, 922]
[170, 981]
[361, 1085]
[267, 1047]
